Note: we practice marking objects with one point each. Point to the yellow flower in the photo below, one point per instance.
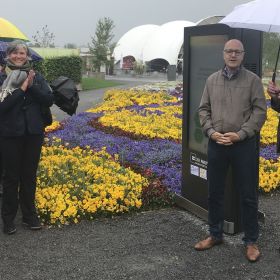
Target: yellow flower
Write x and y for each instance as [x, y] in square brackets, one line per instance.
[77, 183]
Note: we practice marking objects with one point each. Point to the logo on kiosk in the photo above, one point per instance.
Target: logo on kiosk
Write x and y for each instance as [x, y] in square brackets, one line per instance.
[198, 166]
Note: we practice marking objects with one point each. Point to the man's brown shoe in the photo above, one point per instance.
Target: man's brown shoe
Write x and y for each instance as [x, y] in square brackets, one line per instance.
[207, 243]
[252, 253]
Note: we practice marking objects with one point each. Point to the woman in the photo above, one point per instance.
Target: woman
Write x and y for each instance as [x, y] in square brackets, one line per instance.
[274, 93]
[22, 96]
[2, 78]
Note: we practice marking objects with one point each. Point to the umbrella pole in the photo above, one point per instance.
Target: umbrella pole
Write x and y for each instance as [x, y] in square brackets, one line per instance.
[275, 68]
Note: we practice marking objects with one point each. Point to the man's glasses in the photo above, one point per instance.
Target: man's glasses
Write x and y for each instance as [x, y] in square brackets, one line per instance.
[230, 52]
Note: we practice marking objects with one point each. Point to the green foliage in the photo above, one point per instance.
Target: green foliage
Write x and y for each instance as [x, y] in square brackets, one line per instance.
[101, 45]
[39, 66]
[271, 43]
[70, 46]
[93, 83]
[156, 196]
[52, 68]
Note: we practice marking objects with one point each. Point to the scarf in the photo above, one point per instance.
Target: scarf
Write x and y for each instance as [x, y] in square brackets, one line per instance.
[15, 78]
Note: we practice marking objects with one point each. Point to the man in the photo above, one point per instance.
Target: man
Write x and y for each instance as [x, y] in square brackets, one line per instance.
[232, 111]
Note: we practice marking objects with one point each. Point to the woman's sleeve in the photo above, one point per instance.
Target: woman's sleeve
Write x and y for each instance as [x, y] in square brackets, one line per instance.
[41, 91]
[10, 100]
[275, 104]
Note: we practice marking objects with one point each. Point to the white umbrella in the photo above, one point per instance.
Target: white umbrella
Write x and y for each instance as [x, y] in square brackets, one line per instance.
[263, 15]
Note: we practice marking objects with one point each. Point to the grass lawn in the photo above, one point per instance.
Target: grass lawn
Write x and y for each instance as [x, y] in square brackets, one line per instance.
[89, 83]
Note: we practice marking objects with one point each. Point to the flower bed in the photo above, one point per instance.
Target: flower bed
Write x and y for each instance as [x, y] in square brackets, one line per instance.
[79, 183]
[140, 129]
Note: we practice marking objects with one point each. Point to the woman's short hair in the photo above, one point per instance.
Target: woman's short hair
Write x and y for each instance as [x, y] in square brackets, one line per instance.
[15, 45]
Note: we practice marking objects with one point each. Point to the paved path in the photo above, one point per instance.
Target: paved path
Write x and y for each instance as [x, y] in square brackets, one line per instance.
[155, 245]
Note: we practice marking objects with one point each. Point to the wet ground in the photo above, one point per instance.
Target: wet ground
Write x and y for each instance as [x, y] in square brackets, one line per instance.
[148, 245]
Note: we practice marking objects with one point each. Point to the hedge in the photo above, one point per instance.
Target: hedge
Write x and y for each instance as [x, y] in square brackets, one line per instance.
[52, 68]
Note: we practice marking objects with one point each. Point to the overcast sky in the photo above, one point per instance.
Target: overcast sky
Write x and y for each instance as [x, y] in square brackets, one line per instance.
[74, 21]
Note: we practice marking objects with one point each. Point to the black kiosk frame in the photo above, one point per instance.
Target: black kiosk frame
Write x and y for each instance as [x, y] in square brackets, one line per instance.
[203, 47]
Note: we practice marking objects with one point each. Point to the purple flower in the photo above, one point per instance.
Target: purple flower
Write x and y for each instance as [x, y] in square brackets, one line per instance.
[269, 152]
[163, 157]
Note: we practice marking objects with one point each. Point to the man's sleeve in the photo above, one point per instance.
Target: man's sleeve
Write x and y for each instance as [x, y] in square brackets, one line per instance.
[258, 115]
[204, 111]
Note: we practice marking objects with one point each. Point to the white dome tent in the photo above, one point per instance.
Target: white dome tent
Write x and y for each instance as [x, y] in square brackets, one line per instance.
[147, 43]
[209, 20]
[158, 46]
[132, 42]
[166, 42]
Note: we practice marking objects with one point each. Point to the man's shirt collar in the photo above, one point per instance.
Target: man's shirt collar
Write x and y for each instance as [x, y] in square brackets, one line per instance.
[230, 74]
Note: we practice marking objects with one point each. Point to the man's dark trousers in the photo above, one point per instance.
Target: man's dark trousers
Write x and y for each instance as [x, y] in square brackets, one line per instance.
[242, 158]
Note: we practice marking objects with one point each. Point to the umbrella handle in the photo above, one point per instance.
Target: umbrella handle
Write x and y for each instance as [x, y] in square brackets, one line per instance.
[273, 77]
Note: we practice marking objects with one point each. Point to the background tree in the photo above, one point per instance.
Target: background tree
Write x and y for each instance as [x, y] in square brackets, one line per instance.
[271, 43]
[70, 46]
[101, 46]
[44, 38]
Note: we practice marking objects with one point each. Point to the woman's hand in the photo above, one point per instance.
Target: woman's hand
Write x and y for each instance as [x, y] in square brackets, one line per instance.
[29, 80]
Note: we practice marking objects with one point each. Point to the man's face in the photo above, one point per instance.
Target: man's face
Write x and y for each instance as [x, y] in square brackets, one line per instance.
[233, 54]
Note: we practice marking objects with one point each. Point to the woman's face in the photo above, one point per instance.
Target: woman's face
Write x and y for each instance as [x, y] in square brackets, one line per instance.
[18, 56]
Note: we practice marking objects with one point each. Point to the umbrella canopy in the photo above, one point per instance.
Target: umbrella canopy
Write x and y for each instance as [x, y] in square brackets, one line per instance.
[9, 32]
[3, 47]
[263, 15]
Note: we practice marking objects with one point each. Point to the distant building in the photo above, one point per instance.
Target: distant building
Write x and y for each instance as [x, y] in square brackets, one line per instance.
[55, 52]
[209, 20]
[86, 57]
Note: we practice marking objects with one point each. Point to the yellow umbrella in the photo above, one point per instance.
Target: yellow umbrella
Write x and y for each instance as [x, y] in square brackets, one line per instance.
[9, 32]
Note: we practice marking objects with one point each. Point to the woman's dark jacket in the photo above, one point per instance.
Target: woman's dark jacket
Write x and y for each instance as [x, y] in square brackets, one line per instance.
[275, 105]
[20, 113]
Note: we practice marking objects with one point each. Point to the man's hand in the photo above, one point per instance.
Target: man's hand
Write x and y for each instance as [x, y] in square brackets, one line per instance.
[216, 136]
[230, 138]
[226, 139]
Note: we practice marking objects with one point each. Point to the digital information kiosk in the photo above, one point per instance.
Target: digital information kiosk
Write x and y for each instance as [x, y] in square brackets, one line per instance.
[203, 55]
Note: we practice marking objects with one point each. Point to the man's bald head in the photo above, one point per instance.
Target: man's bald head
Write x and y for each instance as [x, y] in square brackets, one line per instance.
[233, 54]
